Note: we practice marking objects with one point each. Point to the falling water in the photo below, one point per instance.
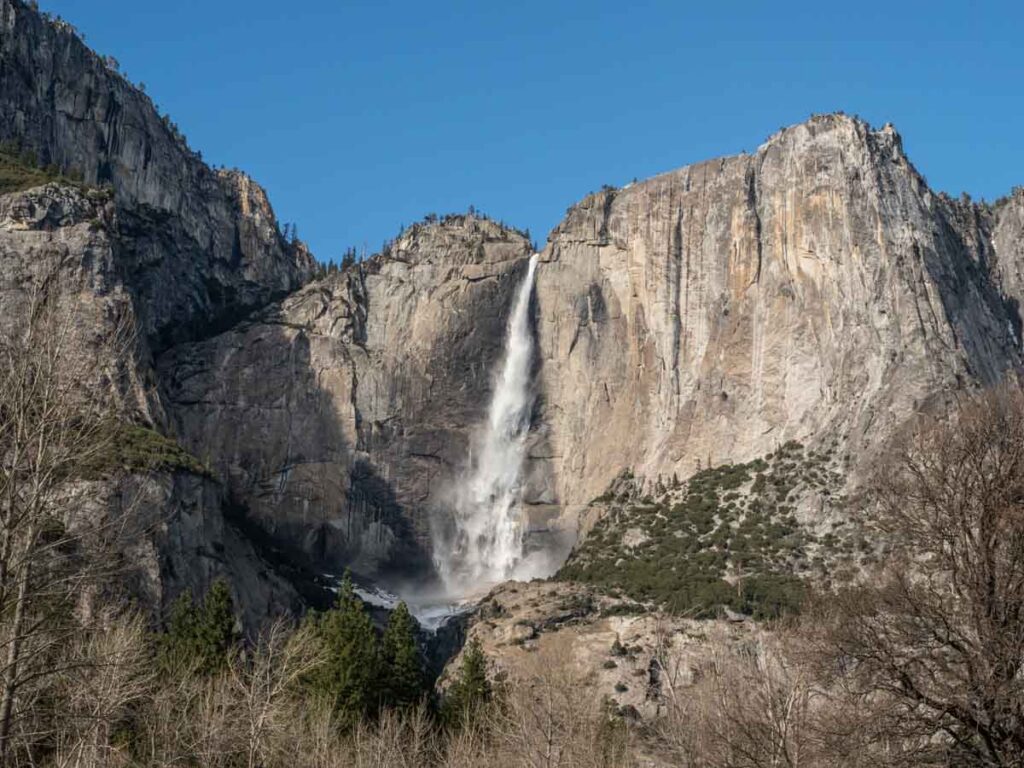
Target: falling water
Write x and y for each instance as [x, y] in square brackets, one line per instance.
[486, 543]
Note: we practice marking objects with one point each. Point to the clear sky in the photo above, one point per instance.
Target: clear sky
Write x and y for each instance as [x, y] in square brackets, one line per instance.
[361, 117]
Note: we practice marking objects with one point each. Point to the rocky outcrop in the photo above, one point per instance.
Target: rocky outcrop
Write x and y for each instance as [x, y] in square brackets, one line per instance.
[815, 288]
[147, 240]
[1007, 227]
[178, 538]
[63, 241]
[632, 657]
[199, 248]
[337, 415]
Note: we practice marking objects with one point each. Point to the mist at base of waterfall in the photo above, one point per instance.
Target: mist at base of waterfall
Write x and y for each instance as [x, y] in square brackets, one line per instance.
[433, 603]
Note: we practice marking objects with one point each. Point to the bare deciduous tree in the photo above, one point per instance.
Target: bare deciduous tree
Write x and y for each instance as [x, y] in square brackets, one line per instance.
[549, 715]
[108, 672]
[58, 419]
[935, 649]
[752, 706]
[264, 680]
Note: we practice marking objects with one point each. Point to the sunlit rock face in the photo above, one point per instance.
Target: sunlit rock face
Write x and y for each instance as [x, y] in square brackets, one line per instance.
[815, 288]
[1006, 223]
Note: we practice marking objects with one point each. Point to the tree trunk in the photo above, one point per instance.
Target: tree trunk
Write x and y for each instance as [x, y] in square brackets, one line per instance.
[11, 665]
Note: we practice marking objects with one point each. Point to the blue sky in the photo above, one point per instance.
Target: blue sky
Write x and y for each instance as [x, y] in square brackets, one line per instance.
[361, 117]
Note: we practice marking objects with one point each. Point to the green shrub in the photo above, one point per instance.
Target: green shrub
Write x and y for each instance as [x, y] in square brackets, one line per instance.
[725, 523]
[19, 170]
[140, 449]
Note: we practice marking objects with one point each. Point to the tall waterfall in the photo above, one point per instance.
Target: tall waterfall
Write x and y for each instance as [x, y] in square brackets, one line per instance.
[486, 542]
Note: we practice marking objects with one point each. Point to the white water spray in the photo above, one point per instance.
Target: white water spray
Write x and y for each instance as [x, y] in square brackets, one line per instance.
[486, 544]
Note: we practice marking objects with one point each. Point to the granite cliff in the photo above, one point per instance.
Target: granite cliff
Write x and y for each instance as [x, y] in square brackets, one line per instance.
[105, 205]
[336, 415]
[198, 247]
[816, 290]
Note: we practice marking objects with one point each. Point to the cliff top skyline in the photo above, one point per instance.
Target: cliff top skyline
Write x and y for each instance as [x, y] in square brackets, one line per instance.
[362, 119]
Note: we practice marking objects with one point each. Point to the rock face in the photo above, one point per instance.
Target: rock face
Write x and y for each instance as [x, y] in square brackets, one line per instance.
[815, 288]
[335, 414]
[71, 237]
[631, 657]
[200, 248]
[65, 238]
[182, 541]
[150, 237]
[1007, 227]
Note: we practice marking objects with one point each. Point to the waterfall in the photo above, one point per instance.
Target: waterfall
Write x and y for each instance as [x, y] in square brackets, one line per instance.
[486, 541]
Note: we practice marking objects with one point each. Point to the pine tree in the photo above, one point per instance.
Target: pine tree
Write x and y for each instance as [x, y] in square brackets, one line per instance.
[348, 260]
[402, 675]
[176, 646]
[348, 679]
[199, 637]
[471, 690]
[215, 629]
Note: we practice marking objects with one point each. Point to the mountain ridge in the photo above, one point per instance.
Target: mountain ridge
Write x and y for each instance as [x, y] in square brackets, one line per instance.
[816, 289]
